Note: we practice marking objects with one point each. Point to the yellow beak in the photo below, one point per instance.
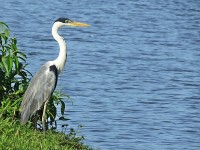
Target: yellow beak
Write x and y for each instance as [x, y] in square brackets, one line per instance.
[78, 24]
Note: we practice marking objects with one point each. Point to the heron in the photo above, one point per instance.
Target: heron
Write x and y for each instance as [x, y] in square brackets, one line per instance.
[43, 83]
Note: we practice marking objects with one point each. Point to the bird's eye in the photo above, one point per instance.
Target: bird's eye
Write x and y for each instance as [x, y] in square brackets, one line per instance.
[68, 21]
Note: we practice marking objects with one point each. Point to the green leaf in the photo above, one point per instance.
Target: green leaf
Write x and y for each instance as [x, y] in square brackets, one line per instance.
[5, 65]
[5, 38]
[62, 107]
[3, 25]
[10, 63]
[7, 32]
[21, 54]
[16, 61]
[14, 40]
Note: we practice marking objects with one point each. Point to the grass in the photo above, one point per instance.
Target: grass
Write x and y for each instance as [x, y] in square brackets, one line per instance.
[15, 136]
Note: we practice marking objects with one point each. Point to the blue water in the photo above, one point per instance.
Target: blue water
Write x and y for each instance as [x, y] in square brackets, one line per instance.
[134, 75]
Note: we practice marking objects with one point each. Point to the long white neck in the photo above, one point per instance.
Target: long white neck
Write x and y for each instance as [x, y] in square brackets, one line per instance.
[61, 59]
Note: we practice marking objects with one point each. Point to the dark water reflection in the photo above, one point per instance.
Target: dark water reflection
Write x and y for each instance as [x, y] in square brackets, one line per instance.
[134, 74]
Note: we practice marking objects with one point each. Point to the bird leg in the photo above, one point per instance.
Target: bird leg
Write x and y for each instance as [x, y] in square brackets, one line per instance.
[44, 117]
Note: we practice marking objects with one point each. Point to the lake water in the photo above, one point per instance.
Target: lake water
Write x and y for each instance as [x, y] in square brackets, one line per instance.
[134, 75]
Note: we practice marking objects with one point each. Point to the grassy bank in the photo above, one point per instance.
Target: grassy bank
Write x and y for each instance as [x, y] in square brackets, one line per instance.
[15, 136]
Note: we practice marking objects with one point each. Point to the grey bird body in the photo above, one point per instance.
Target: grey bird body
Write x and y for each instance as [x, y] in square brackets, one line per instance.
[39, 90]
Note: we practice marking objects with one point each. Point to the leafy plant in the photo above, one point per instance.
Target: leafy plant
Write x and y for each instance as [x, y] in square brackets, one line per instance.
[13, 75]
[51, 112]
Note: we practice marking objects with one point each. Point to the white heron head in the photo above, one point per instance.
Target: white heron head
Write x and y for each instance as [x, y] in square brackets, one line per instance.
[68, 22]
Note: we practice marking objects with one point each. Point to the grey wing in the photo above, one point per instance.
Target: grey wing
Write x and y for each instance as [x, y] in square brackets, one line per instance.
[39, 90]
